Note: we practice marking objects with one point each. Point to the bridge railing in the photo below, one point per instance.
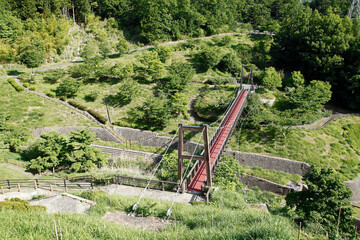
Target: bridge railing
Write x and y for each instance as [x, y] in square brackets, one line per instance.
[238, 93]
[223, 146]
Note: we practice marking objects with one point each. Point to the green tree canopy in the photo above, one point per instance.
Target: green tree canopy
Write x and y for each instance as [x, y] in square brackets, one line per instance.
[327, 197]
[271, 78]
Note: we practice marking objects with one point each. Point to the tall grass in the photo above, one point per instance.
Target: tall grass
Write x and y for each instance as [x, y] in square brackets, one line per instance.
[326, 147]
[216, 221]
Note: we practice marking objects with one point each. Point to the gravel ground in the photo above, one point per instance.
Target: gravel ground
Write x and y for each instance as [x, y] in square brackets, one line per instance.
[149, 223]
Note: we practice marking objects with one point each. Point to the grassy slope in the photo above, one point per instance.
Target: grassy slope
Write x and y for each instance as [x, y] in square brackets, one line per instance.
[192, 222]
[9, 171]
[107, 88]
[32, 111]
[325, 147]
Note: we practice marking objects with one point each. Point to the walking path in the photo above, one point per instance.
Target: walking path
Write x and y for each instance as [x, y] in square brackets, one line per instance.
[129, 191]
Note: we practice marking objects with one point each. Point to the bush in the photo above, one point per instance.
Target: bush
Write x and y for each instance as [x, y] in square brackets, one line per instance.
[97, 115]
[52, 76]
[26, 85]
[17, 87]
[32, 88]
[92, 195]
[91, 97]
[77, 105]
[20, 205]
[68, 88]
[51, 94]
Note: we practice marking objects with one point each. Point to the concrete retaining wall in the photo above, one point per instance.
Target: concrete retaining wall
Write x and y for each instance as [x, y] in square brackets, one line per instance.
[152, 139]
[269, 162]
[101, 133]
[265, 185]
[129, 154]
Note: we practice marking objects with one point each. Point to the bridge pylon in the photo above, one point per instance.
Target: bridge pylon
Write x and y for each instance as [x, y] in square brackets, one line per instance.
[204, 157]
[249, 77]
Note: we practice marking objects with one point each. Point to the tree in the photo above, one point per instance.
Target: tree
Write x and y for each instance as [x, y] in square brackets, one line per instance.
[164, 53]
[208, 57]
[230, 63]
[181, 73]
[327, 197]
[81, 156]
[122, 46]
[296, 80]
[312, 97]
[151, 67]
[121, 70]
[178, 104]
[50, 150]
[68, 87]
[54, 151]
[153, 114]
[33, 55]
[127, 91]
[89, 50]
[105, 49]
[271, 78]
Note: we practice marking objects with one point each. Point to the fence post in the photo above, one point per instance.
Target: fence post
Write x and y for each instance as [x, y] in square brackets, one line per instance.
[2, 190]
[19, 189]
[65, 185]
[51, 189]
[163, 187]
[8, 181]
[92, 184]
[134, 182]
[35, 185]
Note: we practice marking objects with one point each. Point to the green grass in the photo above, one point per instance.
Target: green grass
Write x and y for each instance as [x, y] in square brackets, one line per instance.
[271, 175]
[29, 110]
[9, 171]
[352, 134]
[218, 221]
[324, 147]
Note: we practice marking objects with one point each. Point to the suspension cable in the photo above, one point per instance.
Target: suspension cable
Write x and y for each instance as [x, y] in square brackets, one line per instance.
[136, 205]
[168, 212]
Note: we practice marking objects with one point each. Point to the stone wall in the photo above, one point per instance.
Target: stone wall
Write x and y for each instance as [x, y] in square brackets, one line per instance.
[126, 154]
[269, 162]
[265, 185]
[101, 133]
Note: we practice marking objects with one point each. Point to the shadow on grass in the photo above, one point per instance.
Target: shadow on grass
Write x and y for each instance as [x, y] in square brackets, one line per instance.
[14, 72]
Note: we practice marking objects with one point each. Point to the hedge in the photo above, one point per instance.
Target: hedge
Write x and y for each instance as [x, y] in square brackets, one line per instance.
[92, 112]
[97, 115]
[51, 94]
[77, 105]
[17, 87]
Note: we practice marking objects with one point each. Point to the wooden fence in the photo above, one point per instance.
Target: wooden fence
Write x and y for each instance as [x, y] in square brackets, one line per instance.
[82, 183]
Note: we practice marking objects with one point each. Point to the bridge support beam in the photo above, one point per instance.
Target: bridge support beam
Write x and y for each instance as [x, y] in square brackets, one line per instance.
[205, 157]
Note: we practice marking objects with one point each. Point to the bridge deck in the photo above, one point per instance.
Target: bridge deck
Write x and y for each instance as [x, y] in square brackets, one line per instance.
[200, 176]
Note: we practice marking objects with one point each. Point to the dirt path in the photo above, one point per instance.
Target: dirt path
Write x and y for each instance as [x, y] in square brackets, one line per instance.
[323, 122]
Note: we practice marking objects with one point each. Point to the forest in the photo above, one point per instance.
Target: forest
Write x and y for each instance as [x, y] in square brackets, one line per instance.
[152, 64]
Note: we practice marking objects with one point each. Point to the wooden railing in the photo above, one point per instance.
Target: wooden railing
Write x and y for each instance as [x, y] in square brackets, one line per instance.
[83, 183]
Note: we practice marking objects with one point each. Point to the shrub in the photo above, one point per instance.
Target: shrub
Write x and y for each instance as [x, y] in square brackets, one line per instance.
[17, 87]
[20, 205]
[68, 87]
[52, 76]
[91, 97]
[97, 115]
[26, 85]
[32, 88]
[92, 195]
[51, 94]
[77, 105]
